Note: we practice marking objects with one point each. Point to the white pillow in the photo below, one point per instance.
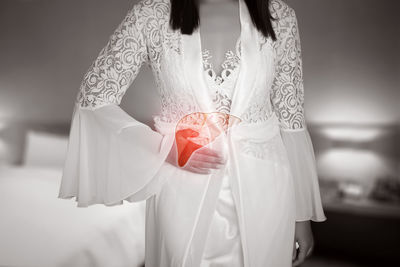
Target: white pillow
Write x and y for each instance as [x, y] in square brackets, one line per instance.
[45, 149]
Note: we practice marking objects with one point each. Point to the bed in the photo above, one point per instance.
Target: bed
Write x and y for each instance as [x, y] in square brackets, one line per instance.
[39, 229]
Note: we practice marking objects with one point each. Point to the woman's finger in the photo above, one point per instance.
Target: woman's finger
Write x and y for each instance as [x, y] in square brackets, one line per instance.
[200, 170]
[210, 152]
[205, 165]
[206, 158]
[301, 255]
[309, 252]
[294, 252]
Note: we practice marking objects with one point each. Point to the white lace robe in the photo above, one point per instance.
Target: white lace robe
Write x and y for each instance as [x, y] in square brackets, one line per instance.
[113, 157]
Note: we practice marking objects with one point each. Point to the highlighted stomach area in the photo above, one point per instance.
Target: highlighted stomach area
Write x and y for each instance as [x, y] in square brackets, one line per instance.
[198, 129]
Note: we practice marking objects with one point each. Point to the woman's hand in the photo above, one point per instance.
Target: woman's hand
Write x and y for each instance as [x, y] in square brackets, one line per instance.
[304, 237]
[202, 160]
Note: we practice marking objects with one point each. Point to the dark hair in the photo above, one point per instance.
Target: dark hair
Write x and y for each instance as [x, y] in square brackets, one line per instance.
[185, 16]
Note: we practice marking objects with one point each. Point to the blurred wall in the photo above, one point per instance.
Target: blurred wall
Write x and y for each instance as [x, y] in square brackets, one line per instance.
[350, 53]
[46, 46]
[351, 59]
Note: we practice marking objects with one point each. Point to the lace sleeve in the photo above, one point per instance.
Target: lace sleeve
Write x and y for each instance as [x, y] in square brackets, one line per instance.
[287, 90]
[111, 156]
[118, 63]
[287, 99]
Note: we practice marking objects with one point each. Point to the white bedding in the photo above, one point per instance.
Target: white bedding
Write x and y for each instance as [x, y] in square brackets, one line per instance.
[39, 229]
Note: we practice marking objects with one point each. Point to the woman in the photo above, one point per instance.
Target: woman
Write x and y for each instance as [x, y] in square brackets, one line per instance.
[229, 174]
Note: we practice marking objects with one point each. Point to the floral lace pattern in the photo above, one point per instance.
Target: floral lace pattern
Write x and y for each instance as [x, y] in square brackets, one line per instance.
[118, 63]
[271, 149]
[144, 36]
[287, 90]
[221, 86]
[229, 65]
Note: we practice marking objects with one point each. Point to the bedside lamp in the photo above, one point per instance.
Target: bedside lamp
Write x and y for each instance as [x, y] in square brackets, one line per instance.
[355, 156]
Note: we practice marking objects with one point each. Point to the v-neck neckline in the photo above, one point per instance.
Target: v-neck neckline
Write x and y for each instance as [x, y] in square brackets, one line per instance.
[238, 39]
[208, 66]
[195, 75]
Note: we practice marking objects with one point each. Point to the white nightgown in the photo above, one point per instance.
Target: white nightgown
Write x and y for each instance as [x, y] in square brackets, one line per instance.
[223, 246]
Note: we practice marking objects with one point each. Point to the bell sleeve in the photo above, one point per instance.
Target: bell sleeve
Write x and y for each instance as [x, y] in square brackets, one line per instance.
[287, 99]
[111, 156]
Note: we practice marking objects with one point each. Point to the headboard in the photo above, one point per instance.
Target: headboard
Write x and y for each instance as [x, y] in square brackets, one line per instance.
[13, 137]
